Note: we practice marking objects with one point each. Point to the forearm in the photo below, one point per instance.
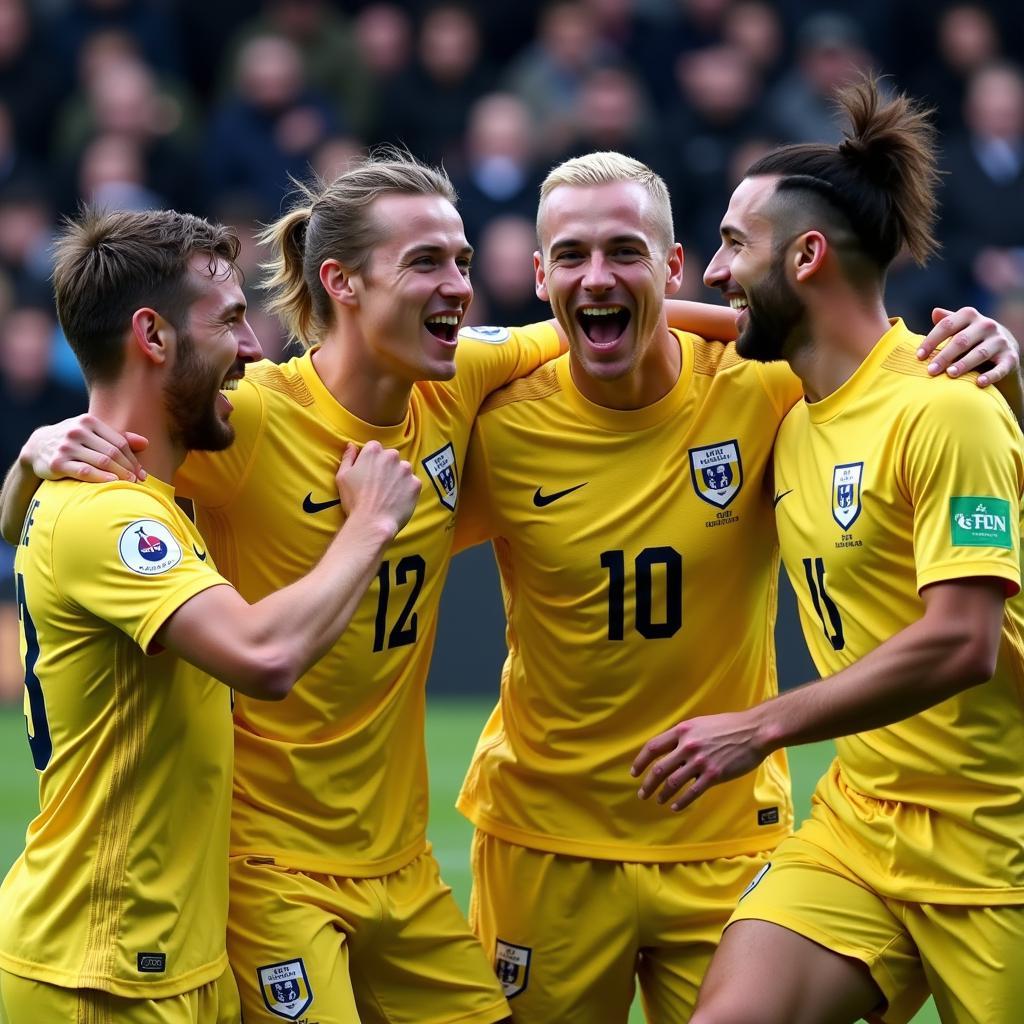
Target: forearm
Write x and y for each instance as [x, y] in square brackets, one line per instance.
[920, 666]
[304, 620]
[19, 486]
[703, 318]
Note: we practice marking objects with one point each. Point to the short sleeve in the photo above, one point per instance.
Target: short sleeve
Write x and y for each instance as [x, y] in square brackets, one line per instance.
[963, 469]
[121, 555]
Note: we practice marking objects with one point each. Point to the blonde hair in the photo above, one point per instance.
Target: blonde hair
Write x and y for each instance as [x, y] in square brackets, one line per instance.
[332, 220]
[606, 168]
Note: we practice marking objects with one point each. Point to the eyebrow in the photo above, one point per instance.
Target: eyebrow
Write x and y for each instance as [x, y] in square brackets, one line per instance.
[561, 243]
[232, 310]
[434, 250]
[728, 231]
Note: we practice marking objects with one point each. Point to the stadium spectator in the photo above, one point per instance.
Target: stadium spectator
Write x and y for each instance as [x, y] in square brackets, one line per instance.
[983, 198]
[117, 907]
[268, 127]
[503, 274]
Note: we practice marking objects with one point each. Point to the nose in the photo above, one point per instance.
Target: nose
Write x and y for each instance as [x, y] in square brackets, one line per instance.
[249, 348]
[717, 273]
[598, 276]
[457, 286]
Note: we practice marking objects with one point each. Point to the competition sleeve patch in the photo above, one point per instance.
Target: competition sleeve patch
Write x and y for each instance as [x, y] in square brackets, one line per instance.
[148, 548]
[980, 522]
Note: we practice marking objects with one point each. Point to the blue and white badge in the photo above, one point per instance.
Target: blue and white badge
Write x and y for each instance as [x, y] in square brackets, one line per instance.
[285, 987]
[488, 335]
[148, 548]
[717, 472]
[512, 965]
[846, 493]
[443, 470]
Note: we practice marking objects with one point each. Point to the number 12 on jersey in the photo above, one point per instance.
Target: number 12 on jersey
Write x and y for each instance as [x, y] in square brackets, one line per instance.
[650, 623]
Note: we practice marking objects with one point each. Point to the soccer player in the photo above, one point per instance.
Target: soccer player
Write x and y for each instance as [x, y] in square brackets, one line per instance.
[624, 488]
[116, 909]
[898, 503]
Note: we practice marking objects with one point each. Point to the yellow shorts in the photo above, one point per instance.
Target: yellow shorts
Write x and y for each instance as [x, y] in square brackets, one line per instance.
[970, 958]
[25, 1001]
[389, 950]
[570, 936]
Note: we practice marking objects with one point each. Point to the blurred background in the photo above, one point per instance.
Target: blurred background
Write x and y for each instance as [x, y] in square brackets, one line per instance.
[209, 107]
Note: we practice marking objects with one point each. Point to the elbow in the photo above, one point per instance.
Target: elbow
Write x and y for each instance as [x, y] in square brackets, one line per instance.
[266, 674]
[973, 662]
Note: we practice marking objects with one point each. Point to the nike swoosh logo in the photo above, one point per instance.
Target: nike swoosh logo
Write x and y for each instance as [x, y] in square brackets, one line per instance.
[779, 497]
[201, 555]
[311, 506]
[540, 500]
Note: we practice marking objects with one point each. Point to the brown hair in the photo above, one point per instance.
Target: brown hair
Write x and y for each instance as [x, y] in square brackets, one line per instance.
[881, 178]
[108, 264]
[333, 221]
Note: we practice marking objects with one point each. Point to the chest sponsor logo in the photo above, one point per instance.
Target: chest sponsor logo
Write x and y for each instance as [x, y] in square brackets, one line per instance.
[980, 522]
[512, 965]
[846, 480]
[489, 335]
[285, 987]
[717, 472]
[443, 471]
[148, 548]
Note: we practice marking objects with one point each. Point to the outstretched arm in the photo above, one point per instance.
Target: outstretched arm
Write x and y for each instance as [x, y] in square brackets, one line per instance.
[82, 447]
[953, 646]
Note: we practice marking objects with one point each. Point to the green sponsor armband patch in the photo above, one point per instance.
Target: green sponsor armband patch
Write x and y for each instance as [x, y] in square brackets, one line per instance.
[980, 522]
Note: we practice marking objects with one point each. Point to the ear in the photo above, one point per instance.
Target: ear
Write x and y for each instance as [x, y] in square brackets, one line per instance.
[808, 255]
[337, 282]
[540, 281]
[674, 269]
[151, 335]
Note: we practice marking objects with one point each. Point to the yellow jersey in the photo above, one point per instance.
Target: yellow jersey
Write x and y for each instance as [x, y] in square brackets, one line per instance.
[333, 779]
[122, 885]
[893, 482]
[639, 566]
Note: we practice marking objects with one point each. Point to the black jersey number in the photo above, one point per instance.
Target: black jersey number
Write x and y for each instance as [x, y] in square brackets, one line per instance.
[403, 632]
[814, 571]
[670, 618]
[37, 727]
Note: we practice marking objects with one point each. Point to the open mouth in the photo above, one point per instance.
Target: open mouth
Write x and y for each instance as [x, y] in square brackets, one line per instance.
[738, 303]
[603, 325]
[443, 326]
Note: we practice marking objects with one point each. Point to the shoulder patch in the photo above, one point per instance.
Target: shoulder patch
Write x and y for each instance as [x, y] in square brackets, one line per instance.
[148, 548]
[489, 335]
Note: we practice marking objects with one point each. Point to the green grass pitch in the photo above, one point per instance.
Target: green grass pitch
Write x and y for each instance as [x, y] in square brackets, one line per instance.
[452, 728]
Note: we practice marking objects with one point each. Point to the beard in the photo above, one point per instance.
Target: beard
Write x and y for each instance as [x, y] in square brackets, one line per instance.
[773, 311]
[190, 396]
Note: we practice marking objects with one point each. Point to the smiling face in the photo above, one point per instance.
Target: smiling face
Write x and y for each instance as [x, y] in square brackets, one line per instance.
[213, 346]
[606, 268]
[749, 270]
[414, 289]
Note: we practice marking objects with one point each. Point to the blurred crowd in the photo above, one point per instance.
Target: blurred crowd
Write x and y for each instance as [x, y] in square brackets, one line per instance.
[211, 107]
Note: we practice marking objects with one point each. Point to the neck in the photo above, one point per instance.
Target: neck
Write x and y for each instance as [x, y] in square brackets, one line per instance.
[128, 409]
[377, 397]
[835, 340]
[650, 380]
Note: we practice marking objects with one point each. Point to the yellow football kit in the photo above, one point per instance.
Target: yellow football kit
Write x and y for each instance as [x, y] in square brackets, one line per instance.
[638, 560]
[892, 483]
[332, 780]
[122, 886]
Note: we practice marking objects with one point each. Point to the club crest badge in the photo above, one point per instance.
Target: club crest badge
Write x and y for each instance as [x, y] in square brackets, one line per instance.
[512, 965]
[285, 987]
[443, 471]
[846, 493]
[148, 548]
[717, 472]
